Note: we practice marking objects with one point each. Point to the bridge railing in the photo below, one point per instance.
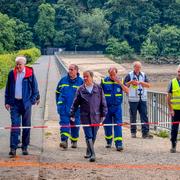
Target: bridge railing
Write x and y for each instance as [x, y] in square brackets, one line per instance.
[156, 104]
[157, 110]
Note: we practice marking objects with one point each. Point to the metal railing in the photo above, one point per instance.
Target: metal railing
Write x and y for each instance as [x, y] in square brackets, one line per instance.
[79, 53]
[156, 104]
[157, 110]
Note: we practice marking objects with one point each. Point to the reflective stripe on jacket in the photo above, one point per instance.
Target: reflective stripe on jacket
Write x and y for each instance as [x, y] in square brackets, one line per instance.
[175, 99]
[112, 91]
[65, 93]
[137, 92]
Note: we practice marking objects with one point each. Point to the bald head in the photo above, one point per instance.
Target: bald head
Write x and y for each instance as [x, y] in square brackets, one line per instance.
[137, 67]
[112, 73]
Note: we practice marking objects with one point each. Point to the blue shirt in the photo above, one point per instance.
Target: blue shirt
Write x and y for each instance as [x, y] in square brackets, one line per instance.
[18, 85]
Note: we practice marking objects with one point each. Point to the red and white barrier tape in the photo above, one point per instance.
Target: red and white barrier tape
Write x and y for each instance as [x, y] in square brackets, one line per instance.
[84, 125]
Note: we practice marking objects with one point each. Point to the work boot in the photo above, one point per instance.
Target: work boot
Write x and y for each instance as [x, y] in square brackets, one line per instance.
[25, 151]
[147, 136]
[91, 147]
[173, 148]
[12, 153]
[108, 145]
[64, 144]
[119, 148]
[133, 135]
[74, 144]
[88, 152]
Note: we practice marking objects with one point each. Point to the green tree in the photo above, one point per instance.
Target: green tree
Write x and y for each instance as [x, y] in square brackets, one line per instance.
[164, 39]
[93, 29]
[66, 24]
[7, 33]
[131, 19]
[44, 28]
[149, 48]
[25, 11]
[23, 36]
[117, 48]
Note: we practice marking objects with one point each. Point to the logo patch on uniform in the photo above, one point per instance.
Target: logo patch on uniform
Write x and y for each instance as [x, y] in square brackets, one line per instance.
[118, 89]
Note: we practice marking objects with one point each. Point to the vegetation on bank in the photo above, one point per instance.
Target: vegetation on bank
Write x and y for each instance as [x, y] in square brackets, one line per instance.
[7, 61]
[117, 27]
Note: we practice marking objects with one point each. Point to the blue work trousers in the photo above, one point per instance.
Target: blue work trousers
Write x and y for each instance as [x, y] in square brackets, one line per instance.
[69, 132]
[114, 116]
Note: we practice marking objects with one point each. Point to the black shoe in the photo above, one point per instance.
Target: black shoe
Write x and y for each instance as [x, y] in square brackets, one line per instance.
[74, 144]
[133, 135]
[147, 136]
[12, 153]
[108, 145]
[119, 148]
[64, 144]
[173, 148]
[25, 152]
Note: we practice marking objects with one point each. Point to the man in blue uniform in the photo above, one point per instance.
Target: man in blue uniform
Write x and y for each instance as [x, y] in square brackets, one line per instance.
[113, 91]
[65, 93]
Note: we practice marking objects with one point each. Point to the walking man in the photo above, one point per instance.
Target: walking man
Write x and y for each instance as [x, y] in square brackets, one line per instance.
[20, 94]
[173, 99]
[113, 89]
[65, 93]
[93, 108]
[138, 83]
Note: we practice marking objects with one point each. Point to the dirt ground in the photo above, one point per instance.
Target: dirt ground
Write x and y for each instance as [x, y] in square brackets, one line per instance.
[159, 75]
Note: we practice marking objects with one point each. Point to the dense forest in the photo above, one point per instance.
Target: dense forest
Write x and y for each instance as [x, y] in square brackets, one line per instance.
[147, 27]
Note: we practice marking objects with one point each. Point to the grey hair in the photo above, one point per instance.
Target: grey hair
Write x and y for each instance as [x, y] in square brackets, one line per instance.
[75, 66]
[21, 59]
[90, 72]
[112, 68]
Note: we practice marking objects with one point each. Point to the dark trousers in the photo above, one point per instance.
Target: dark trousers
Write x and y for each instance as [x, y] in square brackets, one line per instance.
[20, 115]
[175, 127]
[90, 133]
[140, 106]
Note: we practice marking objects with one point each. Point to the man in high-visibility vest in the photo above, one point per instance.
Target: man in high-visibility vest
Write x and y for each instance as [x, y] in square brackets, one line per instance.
[173, 99]
[138, 82]
[113, 89]
[65, 93]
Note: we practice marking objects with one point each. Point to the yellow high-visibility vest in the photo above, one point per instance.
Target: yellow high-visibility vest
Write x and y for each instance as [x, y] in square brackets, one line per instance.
[175, 99]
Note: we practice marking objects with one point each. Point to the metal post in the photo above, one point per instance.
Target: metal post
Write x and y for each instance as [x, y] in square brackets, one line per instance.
[155, 106]
[75, 48]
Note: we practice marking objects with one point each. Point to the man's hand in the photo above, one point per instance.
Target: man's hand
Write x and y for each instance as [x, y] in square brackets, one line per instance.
[135, 83]
[37, 102]
[171, 113]
[72, 119]
[102, 119]
[7, 106]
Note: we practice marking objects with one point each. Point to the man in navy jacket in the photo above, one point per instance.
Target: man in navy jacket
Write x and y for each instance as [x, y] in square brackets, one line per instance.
[20, 94]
